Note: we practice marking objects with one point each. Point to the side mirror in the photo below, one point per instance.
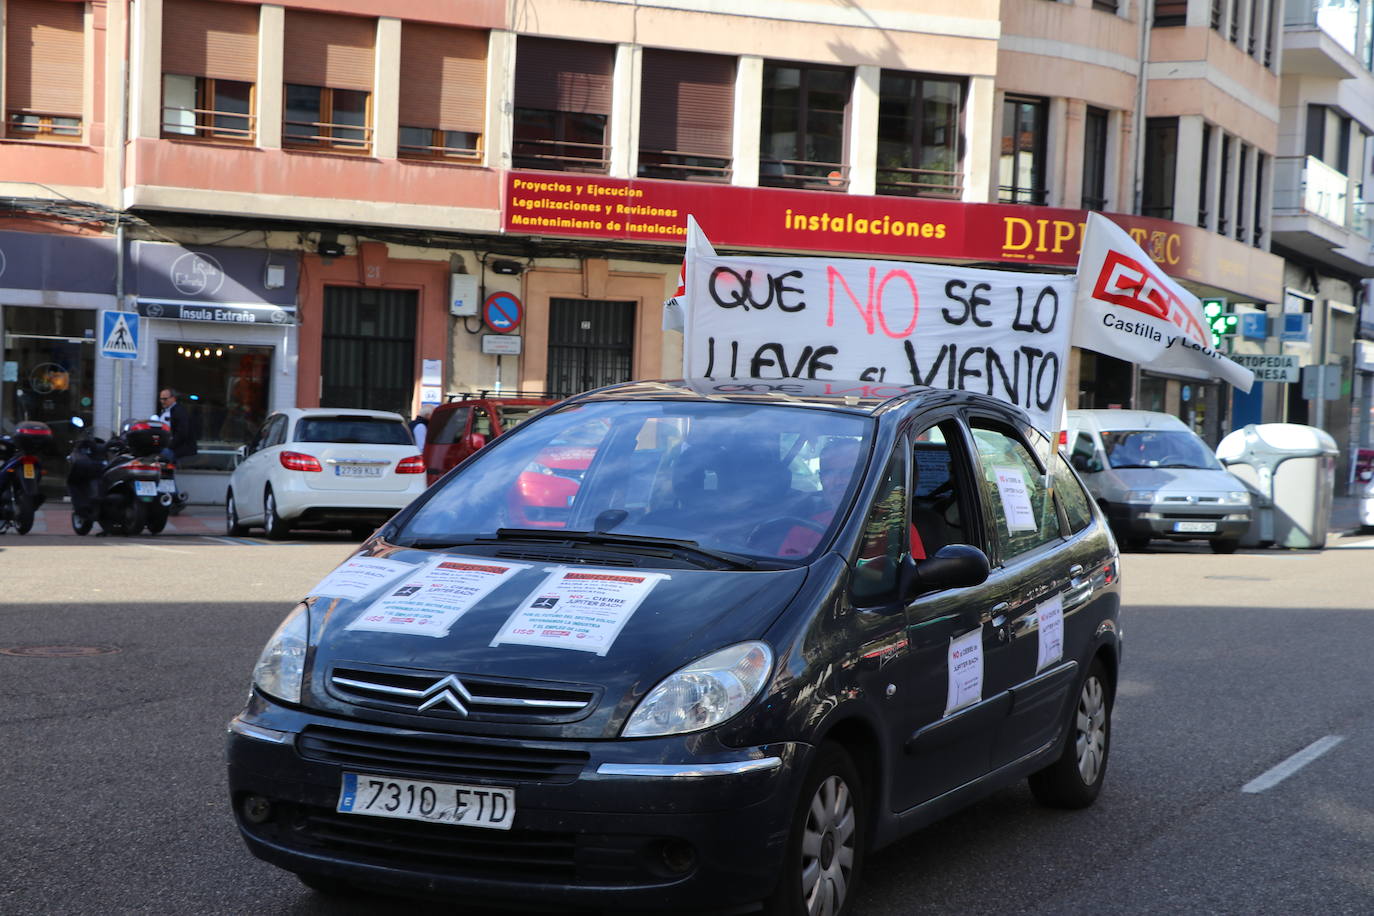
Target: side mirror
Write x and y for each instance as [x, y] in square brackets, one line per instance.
[473, 441]
[1087, 464]
[953, 566]
[240, 453]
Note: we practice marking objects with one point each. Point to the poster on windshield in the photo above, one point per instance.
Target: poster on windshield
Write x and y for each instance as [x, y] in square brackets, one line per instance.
[430, 601]
[580, 609]
[887, 323]
[359, 577]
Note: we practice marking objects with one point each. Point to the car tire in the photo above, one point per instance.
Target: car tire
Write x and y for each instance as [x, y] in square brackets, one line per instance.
[826, 842]
[1075, 779]
[272, 523]
[1225, 545]
[232, 526]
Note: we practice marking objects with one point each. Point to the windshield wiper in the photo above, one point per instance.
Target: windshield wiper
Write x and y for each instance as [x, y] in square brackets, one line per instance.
[682, 549]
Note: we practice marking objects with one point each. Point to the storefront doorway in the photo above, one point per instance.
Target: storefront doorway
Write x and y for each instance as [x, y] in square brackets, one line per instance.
[48, 375]
[226, 387]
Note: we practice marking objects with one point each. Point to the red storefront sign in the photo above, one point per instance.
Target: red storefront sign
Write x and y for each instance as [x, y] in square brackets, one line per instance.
[772, 219]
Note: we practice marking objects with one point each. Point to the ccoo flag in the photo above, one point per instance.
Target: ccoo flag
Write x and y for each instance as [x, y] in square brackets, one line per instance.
[1128, 308]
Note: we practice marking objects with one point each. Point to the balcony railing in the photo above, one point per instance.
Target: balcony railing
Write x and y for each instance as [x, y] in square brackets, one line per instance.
[560, 155]
[1362, 218]
[679, 165]
[920, 182]
[802, 173]
[1337, 18]
[207, 123]
[1306, 184]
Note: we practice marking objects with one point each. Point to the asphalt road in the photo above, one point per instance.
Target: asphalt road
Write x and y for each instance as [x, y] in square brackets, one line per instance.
[113, 799]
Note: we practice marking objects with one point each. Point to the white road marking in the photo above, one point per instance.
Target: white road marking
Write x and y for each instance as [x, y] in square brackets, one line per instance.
[1302, 758]
[155, 547]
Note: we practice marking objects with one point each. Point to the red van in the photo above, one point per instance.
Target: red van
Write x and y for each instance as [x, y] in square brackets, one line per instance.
[469, 421]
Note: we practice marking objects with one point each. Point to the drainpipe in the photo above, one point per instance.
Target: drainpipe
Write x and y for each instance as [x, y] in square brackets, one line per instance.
[121, 142]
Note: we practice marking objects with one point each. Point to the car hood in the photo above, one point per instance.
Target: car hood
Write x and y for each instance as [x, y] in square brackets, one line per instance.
[681, 615]
[1180, 481]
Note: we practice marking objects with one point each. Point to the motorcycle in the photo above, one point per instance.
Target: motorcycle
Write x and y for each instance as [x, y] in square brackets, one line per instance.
[118, 483]
[21, 470]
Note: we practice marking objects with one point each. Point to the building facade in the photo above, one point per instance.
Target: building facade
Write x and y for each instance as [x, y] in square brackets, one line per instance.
[330, 203]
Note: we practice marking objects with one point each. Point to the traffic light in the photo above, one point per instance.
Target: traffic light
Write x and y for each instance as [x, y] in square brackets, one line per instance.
[1222, 320]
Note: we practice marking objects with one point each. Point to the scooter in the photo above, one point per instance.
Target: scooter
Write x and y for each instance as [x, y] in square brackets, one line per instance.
[21, 470]
[115, 482]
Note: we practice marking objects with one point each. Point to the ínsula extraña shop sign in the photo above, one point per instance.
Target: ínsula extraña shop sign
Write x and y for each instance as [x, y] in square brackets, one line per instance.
[646, 210]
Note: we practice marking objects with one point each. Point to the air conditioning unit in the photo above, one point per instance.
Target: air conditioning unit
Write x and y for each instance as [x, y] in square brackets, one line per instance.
[462, 299]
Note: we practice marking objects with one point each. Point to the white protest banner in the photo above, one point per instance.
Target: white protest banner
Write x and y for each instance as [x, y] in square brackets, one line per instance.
[1128, 308]
[892, 323]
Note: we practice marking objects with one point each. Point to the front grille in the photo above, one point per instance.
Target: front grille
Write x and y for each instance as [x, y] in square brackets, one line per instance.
[1190, 500]
[463, 696]
[421, 754]
[526, 854]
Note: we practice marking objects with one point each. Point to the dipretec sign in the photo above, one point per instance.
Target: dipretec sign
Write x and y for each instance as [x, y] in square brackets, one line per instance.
[774, 219]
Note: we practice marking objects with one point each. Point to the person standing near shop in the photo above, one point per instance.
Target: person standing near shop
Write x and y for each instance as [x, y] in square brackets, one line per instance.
[178, 416]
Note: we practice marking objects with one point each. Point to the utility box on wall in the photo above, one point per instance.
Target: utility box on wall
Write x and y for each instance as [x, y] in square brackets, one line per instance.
[462, 299]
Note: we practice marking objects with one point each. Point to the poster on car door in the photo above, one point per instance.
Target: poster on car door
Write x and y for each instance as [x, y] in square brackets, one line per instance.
[430, 600]
[359, 577]
[580, 609]
[965, 670]
[1050, 615]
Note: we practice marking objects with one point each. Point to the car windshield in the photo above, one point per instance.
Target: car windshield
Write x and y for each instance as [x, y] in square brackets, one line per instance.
[743, 479]
[353, 429]
[1155, 448]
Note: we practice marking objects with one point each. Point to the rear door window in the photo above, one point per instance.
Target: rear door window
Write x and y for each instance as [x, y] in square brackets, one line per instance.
[454, 424]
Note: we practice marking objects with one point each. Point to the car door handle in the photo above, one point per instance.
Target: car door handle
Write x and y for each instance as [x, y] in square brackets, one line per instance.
[997, 614]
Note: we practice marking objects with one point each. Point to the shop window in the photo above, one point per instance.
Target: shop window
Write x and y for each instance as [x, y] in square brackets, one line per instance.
[329, 72]
[1161, 162]
[44, 49]
[48, 360]
[1025, 126]
[920, 135]
[686, 115]
[226, 387]
[1095, 159]
[802, 136]
[562, 105]
[209, 64]
[443, 92]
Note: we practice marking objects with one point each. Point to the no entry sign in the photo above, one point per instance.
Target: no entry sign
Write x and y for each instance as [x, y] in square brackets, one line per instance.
[502, 312]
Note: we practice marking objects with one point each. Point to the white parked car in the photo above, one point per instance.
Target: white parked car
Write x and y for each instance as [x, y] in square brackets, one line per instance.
[324, 467]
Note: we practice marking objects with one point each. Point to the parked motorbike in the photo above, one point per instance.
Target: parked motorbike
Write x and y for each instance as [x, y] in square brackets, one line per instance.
[118, 483]
[21, 470]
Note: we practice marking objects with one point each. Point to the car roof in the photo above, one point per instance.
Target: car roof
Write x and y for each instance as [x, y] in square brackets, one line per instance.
[1125, 419]
[853, 396]
[301, 413]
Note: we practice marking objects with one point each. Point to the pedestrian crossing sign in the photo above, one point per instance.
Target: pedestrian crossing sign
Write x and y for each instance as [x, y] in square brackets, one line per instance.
[118, 334]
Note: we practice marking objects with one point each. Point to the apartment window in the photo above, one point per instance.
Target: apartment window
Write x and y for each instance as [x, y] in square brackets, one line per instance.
[802, 136]
[920, 135]
[1106, 6]
[1204, 199]
[1256, 24]
[209, 64]
[1224, 201]
[1170, 13]
[1233, 16]
[1242, 195]
[562, 105]
[1218, 13]
[1022, 167]
[329, 72]
[443, 101]
[686, 115]
[45, 53]
[1328, 137]
[1095, 159]
[1161, 163]
[1257, 212]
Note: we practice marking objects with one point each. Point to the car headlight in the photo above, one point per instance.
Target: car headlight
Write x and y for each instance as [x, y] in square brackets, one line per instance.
[1238, 498]
[1140, 496]
[281, 667]
[704, 693]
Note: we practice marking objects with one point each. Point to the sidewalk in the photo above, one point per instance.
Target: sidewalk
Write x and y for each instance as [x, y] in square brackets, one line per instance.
[56, 518]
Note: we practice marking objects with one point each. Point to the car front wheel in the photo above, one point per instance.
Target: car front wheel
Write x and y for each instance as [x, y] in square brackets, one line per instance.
[825, 849]
[1075, 779]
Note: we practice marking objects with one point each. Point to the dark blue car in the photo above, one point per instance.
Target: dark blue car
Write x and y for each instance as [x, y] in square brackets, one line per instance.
[690, 646]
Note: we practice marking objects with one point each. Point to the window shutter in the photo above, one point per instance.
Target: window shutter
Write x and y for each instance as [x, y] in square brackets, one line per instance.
[327, 50]
[556, 75]
[45, 45]
[205, 38]
[687, 102]
[443, 77]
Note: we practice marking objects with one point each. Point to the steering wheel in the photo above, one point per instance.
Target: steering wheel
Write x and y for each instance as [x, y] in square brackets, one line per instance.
[791, 521]
[943, 496]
